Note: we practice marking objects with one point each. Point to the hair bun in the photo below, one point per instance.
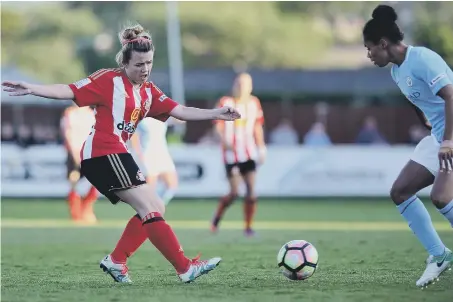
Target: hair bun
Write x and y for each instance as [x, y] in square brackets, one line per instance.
[131, 32]
[384, 13]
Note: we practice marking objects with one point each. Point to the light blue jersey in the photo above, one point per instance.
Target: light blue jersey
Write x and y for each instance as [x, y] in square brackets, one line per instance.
[420, 77]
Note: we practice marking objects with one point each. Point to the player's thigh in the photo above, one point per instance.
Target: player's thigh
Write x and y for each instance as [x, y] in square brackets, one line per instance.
[248, 172]
[442, 191]
[412, 178]
[111, 173]
[143, 199]
[234, 177]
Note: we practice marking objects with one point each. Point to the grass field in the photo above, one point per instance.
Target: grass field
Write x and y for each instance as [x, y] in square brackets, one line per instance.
[366, 253]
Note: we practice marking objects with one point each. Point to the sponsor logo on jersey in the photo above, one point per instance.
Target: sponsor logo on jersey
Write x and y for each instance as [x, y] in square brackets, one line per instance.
[437, 79]
[81, 83]
[128, 127]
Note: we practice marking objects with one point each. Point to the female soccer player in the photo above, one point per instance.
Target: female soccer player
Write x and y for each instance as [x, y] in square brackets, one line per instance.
[243, 147]
[150, 143]
[75, 125]
[123, 97]
[426, 80]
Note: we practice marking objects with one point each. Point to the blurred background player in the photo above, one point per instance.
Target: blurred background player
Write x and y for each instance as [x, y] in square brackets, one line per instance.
[243, 148]
[150, 144]
[427, 82]
[76, 125]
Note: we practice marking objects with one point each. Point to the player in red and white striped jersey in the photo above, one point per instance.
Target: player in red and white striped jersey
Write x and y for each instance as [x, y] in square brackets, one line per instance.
[122, 97]
[76, 124]
[243, 148]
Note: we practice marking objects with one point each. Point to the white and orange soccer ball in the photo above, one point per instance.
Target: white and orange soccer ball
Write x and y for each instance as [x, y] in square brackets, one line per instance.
[298, 260]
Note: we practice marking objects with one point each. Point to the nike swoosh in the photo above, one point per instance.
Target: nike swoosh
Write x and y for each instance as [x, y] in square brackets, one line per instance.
[439, 264]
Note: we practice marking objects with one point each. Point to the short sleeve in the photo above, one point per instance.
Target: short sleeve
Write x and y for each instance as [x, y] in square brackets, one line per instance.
[162, 105]
[88, 91]
[259, 112]
[432, 69]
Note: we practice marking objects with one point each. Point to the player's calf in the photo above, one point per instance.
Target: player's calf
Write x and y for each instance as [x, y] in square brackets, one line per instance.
[224, 203]
[442, 195]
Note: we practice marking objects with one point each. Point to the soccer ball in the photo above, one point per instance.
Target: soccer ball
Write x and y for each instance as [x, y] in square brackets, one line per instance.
[298, 260]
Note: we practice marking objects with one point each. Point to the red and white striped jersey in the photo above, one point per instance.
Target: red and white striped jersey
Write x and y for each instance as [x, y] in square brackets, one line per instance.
[240, 134]
[119, 107]
[77, 123]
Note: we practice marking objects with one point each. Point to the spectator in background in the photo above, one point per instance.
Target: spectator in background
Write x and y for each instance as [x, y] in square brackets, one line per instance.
[417, 133]
[8, 133]
[317, 136]
[39, 135]
[284, 134]
[369, 134]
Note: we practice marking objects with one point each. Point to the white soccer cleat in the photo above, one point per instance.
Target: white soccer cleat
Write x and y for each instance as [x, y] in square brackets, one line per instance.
[118, 271]
[199, 268]
[435, 266]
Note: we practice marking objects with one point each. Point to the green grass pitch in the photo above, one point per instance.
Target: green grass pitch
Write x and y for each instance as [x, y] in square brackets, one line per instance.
[367, 253]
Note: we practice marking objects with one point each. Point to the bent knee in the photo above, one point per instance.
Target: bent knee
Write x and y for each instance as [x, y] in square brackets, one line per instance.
[399, 194]
[440, 198]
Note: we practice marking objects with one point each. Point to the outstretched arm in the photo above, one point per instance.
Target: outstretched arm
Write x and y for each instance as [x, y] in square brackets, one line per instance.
[56, 91]
[195, 114]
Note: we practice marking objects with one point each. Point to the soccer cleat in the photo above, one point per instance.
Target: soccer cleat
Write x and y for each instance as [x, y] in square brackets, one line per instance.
[198, 268]
[118, 271]
[214, 229]
[435, 266]
[249, 232]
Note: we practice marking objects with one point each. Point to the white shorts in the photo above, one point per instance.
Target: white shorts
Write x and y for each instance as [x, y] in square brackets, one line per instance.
[426, 154]
[158, 162]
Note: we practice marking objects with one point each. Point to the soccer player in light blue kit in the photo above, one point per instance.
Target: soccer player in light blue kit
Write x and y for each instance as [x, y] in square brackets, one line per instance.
[427, 82]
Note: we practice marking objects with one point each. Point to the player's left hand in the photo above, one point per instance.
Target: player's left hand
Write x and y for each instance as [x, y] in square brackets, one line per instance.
[227, 113]
[446, 156]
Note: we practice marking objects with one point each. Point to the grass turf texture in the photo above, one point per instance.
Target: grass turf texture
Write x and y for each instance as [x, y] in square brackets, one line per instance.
[366, 253]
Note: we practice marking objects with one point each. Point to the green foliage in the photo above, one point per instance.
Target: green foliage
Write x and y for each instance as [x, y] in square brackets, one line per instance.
[43, 40]
[253, 33]
[55, 41]
[435, 33]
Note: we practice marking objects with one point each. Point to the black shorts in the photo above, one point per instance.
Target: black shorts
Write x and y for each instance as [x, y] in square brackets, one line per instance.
[112, 172]
[244, 168]
[71, 166]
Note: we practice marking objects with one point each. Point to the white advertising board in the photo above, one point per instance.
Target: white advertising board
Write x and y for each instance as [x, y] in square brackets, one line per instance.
[339, 171]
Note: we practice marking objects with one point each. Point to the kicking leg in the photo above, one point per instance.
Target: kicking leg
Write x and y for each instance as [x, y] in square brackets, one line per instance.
[151, 210]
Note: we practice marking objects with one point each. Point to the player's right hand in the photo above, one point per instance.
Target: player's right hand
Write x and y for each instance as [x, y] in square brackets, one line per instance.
[16, 88]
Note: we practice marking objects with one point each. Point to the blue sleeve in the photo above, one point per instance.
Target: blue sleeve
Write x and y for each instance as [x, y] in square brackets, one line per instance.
[432, 69]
